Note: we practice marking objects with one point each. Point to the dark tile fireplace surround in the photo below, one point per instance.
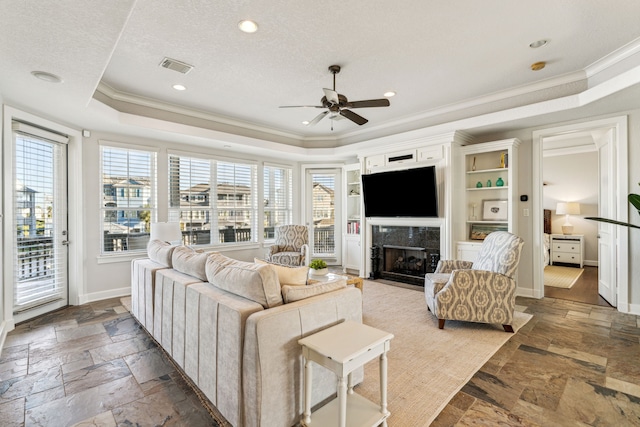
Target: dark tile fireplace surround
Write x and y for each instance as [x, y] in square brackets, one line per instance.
[404, 253]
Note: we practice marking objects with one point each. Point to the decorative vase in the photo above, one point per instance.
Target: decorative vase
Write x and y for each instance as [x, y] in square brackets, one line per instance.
[478, 184]
[488, 183]
[499, 182]
[319, 272]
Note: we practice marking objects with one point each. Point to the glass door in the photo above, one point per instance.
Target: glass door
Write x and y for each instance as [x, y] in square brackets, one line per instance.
[40, 278]
[323, 189]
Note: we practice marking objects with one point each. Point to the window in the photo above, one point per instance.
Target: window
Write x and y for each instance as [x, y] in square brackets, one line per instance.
[228, 214]
[278, 200]
[128, 200]
[190, 198]
[238, 212]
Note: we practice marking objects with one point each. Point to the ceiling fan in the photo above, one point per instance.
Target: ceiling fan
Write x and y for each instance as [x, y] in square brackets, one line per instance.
[338, 106]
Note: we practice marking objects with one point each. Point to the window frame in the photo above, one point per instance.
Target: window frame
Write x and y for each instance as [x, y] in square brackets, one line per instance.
[153, 197]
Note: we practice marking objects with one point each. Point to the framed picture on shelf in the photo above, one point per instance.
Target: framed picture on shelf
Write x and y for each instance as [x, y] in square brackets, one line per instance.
[495, 210]
[480, 231]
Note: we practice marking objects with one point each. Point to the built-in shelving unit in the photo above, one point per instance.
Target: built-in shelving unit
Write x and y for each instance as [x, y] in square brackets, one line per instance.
[353, 218]
[489, 193]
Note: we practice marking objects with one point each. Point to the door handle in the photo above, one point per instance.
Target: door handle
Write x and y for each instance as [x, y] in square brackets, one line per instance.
[66, 242]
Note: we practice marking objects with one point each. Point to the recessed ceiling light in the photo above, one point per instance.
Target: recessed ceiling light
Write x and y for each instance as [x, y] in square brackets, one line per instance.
[538, 43]
[179, 87]
[538, 66]
[248, 26]
[306, 122]
[389, 94]
[47, 77]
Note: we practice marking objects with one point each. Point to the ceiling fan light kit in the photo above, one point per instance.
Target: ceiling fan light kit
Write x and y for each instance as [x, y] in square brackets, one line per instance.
[338, 106]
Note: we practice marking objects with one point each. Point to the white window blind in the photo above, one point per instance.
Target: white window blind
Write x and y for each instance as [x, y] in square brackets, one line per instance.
[236, 202]
[128, 206]
[39, 200]
[190, 197]
[278, 200]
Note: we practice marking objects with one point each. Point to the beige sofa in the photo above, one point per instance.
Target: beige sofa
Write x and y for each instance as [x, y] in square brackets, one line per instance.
[233, 329]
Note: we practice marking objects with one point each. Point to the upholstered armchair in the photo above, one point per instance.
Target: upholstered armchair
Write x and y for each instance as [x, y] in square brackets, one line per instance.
[483, 291]
[291, 246]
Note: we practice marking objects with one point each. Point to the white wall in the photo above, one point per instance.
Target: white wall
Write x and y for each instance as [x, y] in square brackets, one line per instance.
[573, 178]
[109, 276]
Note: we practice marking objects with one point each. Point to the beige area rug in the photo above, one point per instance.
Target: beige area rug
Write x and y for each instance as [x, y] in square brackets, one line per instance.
[561, 277]
[426, 366]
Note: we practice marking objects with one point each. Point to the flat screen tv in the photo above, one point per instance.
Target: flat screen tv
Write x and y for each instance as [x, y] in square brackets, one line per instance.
[401, 193]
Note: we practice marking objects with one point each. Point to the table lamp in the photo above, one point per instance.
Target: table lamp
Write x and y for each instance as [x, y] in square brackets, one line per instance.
[166, 232]
[568, 208]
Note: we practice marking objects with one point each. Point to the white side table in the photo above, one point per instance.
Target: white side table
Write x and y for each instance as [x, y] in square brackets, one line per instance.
[342, 349]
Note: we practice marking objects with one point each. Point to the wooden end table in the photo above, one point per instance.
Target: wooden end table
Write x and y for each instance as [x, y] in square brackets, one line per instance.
[342, 349]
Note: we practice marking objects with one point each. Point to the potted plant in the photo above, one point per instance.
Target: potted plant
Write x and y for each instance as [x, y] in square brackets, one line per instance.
[634, 200]
[318, 267]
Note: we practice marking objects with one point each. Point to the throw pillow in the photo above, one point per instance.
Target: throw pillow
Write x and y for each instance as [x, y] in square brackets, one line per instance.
[290, 276]
[160, 252]
[256, 282]
[297, 293]
[188, 261]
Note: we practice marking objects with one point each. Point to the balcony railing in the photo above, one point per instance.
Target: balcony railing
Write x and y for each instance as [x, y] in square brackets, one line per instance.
[35, 255]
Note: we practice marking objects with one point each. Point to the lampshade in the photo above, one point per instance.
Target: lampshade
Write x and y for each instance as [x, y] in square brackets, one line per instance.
[166, 231]
[569, 208]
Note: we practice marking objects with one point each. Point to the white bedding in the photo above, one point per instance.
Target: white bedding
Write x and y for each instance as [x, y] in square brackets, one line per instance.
[545, 243]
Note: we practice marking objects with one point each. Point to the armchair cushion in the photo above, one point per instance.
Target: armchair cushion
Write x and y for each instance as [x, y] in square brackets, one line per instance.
[500, 253]
[448, 265]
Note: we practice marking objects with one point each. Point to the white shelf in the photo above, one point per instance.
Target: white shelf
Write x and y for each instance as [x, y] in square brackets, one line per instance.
[488, 170]
[487, 222]
[495, 187]
[360, 412]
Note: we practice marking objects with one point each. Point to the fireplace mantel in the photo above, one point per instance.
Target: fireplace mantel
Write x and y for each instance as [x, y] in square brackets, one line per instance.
[406, 222]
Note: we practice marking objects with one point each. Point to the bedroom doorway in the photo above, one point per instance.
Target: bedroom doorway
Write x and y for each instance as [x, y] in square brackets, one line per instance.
[603, 146]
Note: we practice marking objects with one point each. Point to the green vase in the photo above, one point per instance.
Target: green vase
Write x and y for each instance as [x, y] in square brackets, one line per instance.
[499, 182]
[478, 184]
[488, 183]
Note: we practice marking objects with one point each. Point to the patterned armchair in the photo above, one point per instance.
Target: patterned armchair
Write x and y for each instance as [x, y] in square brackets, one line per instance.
[483, 291]
[291, 246]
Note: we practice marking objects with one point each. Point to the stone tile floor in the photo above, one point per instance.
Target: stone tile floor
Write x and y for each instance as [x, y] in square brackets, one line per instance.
[573, 364]
[92, 365]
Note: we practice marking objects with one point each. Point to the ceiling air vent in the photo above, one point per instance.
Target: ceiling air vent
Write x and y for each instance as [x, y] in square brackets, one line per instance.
[175, 65]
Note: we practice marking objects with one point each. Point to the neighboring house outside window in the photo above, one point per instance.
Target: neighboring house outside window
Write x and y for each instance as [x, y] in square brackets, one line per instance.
[128, 203]
[231, 218]
[278, 199]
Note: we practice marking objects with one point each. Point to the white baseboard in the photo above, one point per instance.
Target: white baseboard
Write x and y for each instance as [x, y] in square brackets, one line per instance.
[634, 309]
[5, 327]
[528, 292]
[98, 296]
[591, 263]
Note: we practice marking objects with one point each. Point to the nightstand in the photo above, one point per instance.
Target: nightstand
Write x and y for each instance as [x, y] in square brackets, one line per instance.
[567, 248]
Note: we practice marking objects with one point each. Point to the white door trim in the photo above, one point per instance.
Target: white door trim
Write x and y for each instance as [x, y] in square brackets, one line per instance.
[74, 200]
[619, 126]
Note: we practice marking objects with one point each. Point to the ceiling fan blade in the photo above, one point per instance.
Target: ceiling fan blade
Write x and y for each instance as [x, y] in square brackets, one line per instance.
[353, 117]
[318, 118]
[384, 102]
[332, 96]
[301, 106]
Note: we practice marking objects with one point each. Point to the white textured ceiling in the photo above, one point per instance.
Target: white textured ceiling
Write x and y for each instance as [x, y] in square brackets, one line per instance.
[446, 60]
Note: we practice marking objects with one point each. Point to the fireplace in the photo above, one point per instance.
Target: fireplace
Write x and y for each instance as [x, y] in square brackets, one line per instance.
[404, 254]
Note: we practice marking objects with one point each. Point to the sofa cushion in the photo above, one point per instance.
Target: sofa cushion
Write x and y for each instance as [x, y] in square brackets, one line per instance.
[297, 293]
[256, 282]
[290, 276]
[160, 252]
[190, 262]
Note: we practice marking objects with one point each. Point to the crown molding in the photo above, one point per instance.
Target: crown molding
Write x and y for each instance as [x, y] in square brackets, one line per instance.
[630, 49]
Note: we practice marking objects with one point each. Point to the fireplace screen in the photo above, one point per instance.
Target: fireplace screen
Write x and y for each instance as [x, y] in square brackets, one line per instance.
[405, 261]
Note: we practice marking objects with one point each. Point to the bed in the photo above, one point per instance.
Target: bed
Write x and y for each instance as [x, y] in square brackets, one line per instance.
[546, 236]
